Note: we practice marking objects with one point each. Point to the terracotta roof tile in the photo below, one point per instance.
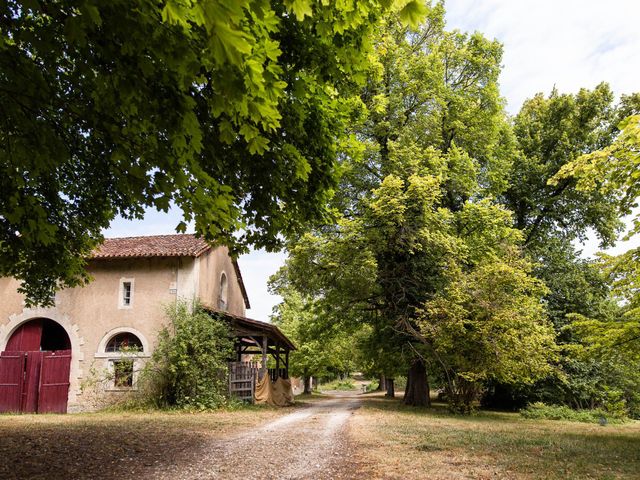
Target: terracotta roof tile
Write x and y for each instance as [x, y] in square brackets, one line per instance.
[152, 246]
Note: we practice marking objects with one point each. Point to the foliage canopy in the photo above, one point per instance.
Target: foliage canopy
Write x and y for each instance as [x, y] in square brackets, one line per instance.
[229, 110]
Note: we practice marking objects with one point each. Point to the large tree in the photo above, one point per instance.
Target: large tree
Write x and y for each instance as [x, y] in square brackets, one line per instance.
[229, 110]
[489, 325]
[551, 132]
[614, 171]
[433, 138]
[449, 287]
[555, 210]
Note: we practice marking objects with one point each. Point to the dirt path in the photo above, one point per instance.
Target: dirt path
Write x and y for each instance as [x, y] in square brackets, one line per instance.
[309, 443]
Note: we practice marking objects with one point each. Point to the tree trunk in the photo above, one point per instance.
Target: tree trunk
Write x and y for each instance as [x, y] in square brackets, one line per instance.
[417, 391]
[381, 383]
[307, 384]
[391, 388]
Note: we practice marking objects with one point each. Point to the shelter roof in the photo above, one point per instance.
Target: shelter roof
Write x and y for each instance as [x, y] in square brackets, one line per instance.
[241, 325]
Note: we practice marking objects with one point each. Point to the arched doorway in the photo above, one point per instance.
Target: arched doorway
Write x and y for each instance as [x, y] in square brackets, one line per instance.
[34, 368]
[39, 334]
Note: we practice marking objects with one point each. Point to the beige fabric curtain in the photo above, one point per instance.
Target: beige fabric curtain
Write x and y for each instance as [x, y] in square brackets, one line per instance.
[277, 394]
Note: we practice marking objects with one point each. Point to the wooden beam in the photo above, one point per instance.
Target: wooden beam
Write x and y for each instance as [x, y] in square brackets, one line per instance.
[242, 332]
[264, 354]
[286, 363]
[257, 349]
[270, 351]
[260, 340]
[277, 359]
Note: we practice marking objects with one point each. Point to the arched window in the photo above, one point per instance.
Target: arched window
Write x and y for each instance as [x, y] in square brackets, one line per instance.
[123, 368]
[124, 342]
[222, 299]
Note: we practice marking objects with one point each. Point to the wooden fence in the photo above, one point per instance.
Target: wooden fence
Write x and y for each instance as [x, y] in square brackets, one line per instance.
[242, 380]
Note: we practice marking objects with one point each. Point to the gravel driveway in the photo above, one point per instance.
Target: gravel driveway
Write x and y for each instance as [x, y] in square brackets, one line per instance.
[308, 443]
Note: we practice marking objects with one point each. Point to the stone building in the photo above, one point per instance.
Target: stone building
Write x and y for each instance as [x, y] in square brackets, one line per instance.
[95, 327]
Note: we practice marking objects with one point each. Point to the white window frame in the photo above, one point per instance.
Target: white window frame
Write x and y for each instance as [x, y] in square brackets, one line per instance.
[112, 373]
[121, 304]
[112, 357]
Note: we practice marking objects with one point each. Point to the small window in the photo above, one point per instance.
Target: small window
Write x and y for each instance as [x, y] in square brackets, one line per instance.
[123, 373]
[126, 293]
[124, 342]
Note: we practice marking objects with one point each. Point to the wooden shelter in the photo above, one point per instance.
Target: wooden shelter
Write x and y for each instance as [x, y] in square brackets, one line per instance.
[253, 337]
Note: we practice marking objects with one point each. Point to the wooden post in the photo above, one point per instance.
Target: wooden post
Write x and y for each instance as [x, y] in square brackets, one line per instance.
[264, 355]
[286, 363]
[277, 359]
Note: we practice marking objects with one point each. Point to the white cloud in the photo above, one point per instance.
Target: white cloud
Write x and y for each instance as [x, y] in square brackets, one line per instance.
[566, 43]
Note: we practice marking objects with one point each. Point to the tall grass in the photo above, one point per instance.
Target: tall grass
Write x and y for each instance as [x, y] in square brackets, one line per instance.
[542, 411]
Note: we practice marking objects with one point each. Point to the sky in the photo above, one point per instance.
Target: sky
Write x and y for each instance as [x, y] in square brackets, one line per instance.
[568, 44]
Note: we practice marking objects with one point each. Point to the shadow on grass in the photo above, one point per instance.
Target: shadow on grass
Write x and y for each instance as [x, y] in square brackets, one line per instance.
[437, 410]
[532, 448]
[120, 448]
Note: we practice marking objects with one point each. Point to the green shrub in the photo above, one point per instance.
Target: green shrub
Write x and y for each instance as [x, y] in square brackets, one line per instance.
[188, 368]
[339, 385]
[613, 402]
[543, 411]
[400, 382]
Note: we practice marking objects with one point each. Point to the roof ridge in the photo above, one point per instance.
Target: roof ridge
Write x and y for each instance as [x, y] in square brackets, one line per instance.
[176, 245]
[156, 235]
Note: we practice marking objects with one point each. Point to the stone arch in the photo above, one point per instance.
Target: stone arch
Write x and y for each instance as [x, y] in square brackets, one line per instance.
[102, 346]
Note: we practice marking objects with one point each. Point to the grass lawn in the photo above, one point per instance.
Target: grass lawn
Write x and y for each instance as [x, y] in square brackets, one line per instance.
[344, 385]
[403, 442]
[112, 445]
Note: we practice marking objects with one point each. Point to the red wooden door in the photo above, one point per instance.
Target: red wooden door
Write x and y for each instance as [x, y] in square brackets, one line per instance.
[26, 338]
[54, 381]
[11, 377]
[31, 382]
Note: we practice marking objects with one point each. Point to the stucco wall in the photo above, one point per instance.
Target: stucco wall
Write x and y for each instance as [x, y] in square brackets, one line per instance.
[93, 313]
[212, 264]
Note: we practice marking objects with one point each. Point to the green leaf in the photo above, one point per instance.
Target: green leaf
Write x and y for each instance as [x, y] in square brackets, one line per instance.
[413, 13]
[300, 8]
[174, 14]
